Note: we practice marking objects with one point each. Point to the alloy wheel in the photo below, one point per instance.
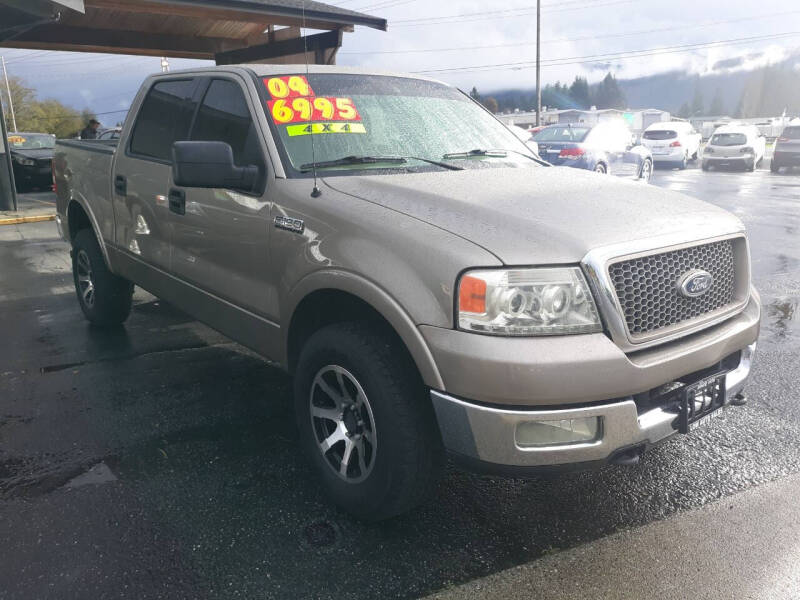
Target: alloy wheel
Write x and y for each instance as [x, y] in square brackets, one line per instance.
[343, 423]
[85, 280]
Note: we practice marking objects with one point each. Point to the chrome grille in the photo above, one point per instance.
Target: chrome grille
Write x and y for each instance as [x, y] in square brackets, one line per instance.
[647, 287]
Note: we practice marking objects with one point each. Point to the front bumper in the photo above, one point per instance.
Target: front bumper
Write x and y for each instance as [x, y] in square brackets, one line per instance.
[487, 436]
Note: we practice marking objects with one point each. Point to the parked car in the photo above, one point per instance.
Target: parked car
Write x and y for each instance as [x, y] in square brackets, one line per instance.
[674, 142]
[429, 293]
[604, 148]
[740, 146]
[32, 157]
[787, 149]
[109, 134]
[526, 137]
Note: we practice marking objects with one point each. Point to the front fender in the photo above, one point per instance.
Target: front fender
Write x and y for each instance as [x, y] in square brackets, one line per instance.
[380, 300]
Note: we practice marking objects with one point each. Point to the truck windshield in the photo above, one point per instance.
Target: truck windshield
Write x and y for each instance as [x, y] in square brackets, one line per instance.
[354, 116]
[31, 141]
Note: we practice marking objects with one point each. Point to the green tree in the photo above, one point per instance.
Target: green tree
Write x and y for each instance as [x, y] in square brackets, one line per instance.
[491, 104]
[579, 92]
[685, 111]
[474, 94]
[42, 116]
[608, 94]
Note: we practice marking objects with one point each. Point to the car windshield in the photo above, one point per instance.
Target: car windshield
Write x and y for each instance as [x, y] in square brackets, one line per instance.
[728, 139]
[791, 133]
[562, 134]
[31, 141]
[660, 134]
[352, 116]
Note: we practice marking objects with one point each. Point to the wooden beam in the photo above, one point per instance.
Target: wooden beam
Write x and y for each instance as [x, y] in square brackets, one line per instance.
[317, 44]
[61, 37]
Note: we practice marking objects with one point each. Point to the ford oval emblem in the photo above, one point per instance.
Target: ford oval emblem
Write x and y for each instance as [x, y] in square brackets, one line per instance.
[695, 283]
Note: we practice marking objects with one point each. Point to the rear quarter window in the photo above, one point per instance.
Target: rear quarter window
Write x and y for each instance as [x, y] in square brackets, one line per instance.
[791, 133]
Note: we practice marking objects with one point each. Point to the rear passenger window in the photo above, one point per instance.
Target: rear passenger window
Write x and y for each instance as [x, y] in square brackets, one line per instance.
[225, 117]
[164, 118]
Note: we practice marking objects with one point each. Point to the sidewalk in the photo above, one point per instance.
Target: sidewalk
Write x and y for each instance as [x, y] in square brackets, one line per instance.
[31, 208]
[743, 546]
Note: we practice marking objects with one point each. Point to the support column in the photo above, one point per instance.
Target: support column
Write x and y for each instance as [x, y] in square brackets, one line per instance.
[8, 195]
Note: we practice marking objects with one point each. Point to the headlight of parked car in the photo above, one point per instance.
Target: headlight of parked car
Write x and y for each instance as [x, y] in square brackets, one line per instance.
[527, 302]
[25, 162]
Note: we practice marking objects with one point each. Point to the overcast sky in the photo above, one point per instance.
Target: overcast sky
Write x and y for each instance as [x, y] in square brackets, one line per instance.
[493, 45]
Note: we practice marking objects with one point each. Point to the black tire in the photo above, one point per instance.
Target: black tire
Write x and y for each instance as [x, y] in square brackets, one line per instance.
[774, 167]
[751, 167]
[600, 168]
[704, 166]
[403, 465]
[694, 156]
[109, 300]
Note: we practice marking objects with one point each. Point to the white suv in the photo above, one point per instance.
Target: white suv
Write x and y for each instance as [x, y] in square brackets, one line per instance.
[673, 142]
[735, 145]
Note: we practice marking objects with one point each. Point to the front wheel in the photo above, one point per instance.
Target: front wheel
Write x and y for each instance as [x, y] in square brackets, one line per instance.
[365, 420]
[105, 299]
[600, 168]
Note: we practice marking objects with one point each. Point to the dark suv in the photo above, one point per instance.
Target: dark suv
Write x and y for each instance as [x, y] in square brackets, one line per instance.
[787, 149]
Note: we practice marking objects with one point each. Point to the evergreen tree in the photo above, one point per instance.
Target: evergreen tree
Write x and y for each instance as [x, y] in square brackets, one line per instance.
[698, 104]
[608, 94]
[717, 107]
[579, 92]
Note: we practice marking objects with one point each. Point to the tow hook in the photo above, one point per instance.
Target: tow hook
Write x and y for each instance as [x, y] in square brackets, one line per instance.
[627, 456]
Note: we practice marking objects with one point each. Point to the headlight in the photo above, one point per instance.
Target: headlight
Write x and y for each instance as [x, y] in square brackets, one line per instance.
[26, 162]
[527, 302]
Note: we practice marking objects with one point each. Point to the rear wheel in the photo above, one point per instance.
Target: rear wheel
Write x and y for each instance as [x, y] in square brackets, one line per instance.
[105, 299]
[365, 420]
[600, 168]
[704, 166]
[751, 166]
[774, 166]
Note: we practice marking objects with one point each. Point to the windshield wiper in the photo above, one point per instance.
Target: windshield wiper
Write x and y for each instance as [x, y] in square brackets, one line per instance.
[370, 160]
[478, 152]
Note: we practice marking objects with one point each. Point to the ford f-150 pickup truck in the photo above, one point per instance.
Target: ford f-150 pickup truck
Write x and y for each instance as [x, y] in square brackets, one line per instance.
[433, 287]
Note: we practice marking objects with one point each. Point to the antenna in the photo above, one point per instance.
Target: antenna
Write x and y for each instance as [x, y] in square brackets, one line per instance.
[316, 192]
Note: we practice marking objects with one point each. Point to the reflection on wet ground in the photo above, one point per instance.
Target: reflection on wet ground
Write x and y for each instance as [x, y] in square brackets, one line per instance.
[769, 206]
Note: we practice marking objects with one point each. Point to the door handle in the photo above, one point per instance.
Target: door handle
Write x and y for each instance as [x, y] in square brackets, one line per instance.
[121, 185]
[177, 201]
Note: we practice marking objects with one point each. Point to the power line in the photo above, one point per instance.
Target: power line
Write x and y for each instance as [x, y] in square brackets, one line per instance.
[578, 39]
[386, 4]
[77, 116]
[506, 13]
[613, 55]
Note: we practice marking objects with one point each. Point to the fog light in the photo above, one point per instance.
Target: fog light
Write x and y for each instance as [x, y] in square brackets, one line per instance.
[557, 433]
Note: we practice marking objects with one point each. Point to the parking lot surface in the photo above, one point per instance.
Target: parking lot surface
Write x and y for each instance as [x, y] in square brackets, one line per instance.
[160, 460]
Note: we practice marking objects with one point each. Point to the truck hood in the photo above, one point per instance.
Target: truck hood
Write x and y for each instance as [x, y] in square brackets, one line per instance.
[540, 215]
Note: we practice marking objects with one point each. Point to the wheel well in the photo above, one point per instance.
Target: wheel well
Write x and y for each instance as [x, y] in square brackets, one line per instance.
[77, 219]
[326, 307]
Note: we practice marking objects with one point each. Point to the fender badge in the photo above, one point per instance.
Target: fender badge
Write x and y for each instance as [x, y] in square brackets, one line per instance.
[289, 224]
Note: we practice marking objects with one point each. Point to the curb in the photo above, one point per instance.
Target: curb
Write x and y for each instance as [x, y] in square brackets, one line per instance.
[21, 220]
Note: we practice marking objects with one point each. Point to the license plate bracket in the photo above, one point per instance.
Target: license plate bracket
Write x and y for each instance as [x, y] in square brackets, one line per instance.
[700, 400]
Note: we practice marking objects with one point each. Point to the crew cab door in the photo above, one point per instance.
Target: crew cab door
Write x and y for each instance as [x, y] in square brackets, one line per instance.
[141, 176]
[221, 236]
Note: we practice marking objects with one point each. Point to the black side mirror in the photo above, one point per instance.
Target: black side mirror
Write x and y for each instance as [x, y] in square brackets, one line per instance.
[210, 165]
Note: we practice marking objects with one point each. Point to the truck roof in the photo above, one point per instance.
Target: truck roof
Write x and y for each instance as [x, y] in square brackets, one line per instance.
[265, 70]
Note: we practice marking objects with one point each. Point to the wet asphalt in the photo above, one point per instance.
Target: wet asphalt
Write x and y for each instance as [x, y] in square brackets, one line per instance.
[160, 460]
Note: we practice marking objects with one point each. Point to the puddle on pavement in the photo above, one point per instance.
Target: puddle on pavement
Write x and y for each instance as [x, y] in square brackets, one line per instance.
[781, 321]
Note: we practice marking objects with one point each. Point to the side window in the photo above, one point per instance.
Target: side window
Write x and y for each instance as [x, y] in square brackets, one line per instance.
[225, 117]
[164, 118]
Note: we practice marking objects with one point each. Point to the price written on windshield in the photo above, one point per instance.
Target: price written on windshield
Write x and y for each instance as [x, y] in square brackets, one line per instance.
[292, 86]
[314, 108]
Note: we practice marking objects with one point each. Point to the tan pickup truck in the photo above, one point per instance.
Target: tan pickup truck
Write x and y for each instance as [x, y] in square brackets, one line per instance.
[433, 287]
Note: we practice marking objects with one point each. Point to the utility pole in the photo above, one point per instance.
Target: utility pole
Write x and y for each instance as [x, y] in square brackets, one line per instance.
[164, 64]
[10, 100]
[538, 62]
